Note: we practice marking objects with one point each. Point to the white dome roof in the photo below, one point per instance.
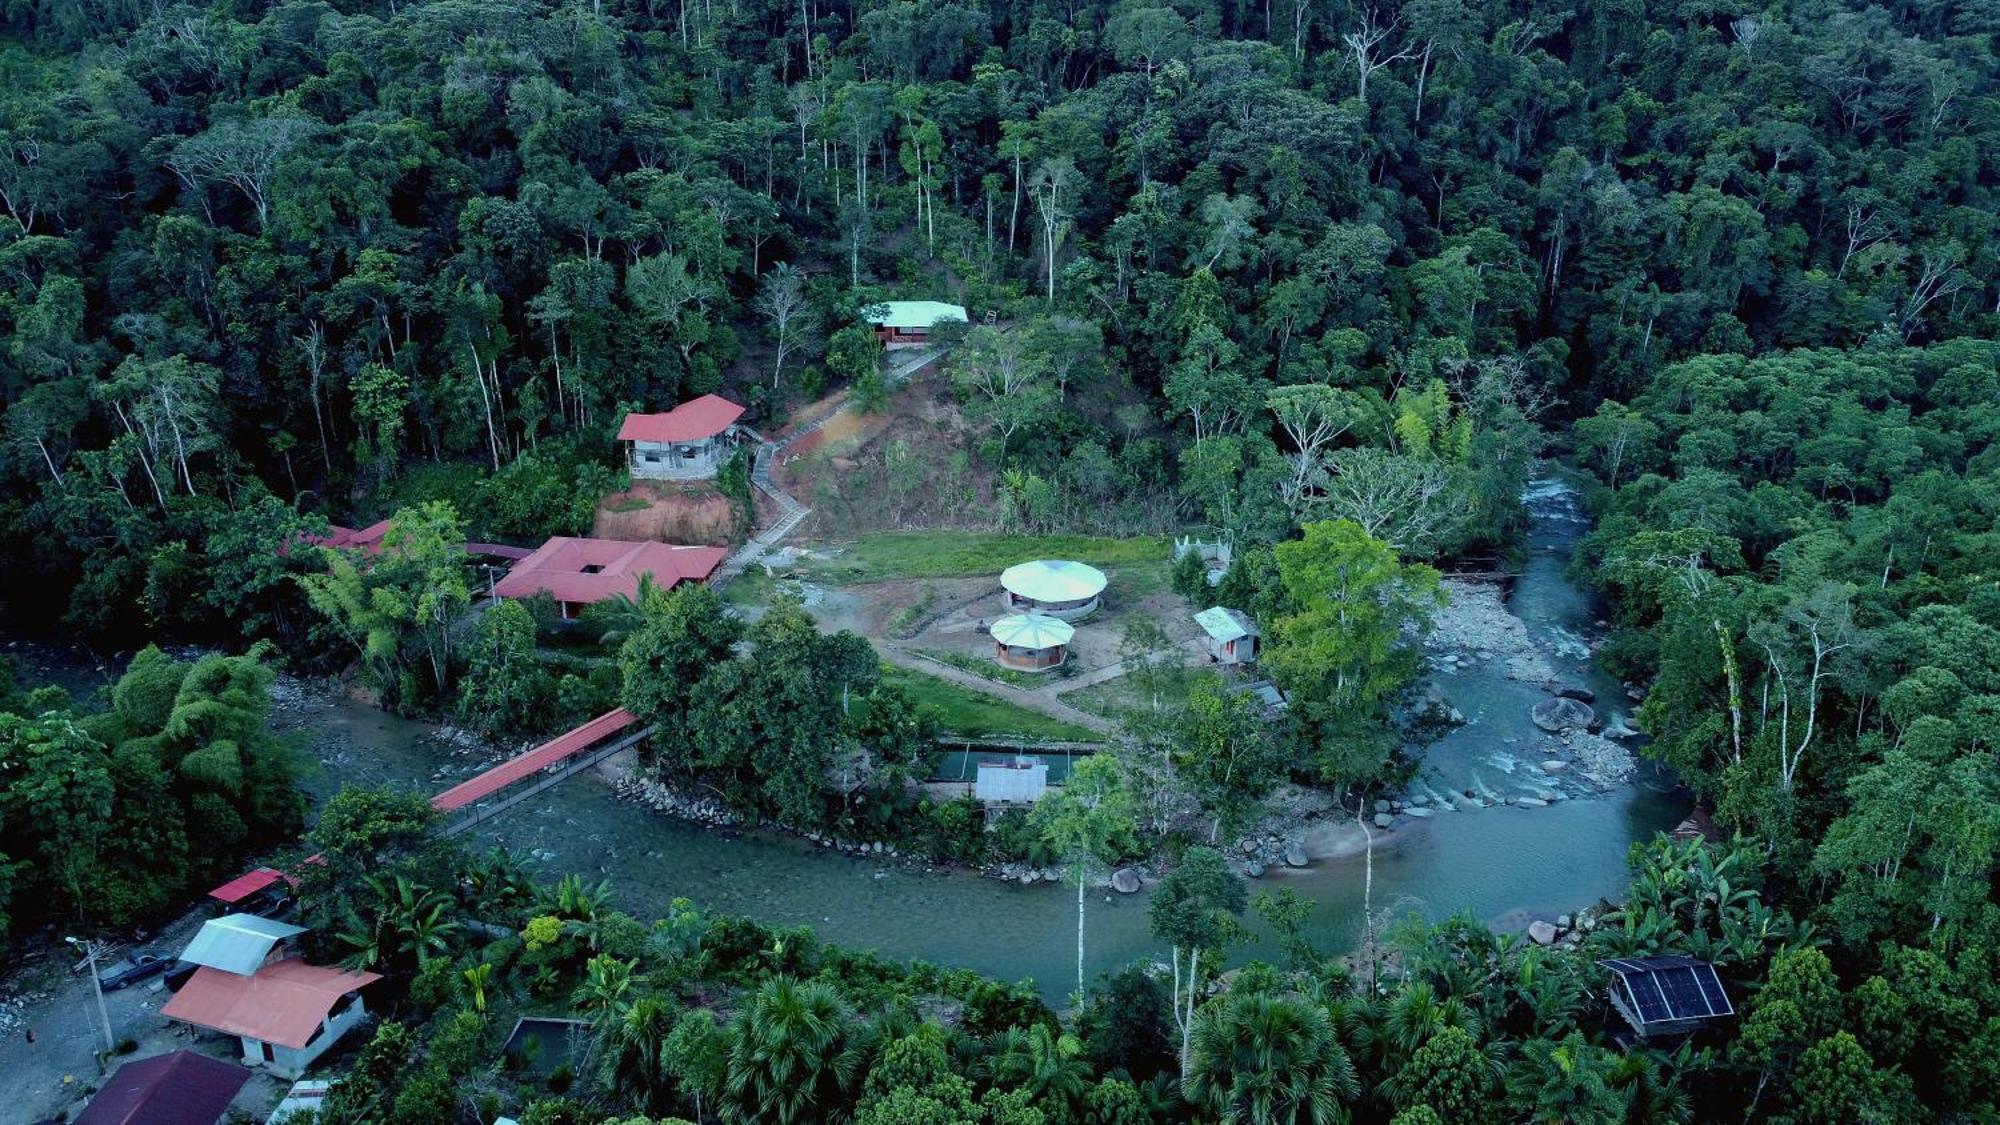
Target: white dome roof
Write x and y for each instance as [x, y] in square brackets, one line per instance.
[1032, 630]
[1047, 580]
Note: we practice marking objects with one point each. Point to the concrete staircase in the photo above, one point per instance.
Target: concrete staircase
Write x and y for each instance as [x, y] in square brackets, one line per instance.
[898, 369]
[791, 513]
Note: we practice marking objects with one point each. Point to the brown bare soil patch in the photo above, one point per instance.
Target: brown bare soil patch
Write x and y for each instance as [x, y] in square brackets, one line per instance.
[692, 513]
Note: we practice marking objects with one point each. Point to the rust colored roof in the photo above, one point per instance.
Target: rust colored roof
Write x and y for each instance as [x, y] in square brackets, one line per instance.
[534, 761]
[582, 571]
[283, 1003]
[243, 886]
[694, 420]
[177, 1088]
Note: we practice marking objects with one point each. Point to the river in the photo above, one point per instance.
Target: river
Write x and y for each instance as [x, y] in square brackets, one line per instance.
[1502, 864]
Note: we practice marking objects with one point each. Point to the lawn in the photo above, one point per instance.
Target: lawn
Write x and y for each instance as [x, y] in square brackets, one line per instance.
[973, 714]
[753, 587]
[1142, 564]
[1126, 695]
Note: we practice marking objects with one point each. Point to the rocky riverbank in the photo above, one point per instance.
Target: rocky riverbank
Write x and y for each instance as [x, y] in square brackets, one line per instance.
[1475, 628]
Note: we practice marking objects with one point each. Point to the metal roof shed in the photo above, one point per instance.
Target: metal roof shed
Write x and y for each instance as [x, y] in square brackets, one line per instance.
[920, 315]
[1232, 637]
[1021, 781]
[237, 943]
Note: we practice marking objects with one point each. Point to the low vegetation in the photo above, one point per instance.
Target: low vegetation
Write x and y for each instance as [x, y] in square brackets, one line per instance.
[967, 713]
[875, 558]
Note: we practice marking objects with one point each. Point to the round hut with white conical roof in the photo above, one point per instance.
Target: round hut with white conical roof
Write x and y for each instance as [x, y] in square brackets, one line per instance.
[1053, 588]
[1031, 642]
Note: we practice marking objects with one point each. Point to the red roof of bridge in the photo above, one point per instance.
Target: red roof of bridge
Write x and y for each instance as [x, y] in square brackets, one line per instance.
[549, 753]
[694, 420]
[582, 571]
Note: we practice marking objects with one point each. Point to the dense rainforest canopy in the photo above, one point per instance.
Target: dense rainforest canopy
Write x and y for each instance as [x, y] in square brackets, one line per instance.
[281, 249]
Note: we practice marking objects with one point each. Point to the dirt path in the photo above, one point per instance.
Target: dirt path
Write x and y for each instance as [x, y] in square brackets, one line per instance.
[1040, 701]
[55, 1072]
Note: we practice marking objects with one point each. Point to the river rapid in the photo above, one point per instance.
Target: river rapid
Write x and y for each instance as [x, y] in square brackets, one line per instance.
[1503, 864]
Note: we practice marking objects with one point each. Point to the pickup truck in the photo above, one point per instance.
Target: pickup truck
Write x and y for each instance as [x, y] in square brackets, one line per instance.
[134, 969]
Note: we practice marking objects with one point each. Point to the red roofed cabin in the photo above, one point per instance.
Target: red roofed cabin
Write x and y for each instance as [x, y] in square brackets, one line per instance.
[581, 572]
[688, 442]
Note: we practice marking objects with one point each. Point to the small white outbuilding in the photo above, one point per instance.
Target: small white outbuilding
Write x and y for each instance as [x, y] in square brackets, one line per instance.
[1231, 637]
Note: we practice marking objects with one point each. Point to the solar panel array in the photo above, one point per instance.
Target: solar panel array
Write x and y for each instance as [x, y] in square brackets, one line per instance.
[1672, 988]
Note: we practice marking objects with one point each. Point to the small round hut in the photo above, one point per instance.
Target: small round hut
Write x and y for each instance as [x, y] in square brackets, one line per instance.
[1067, 590]
[1031, 642]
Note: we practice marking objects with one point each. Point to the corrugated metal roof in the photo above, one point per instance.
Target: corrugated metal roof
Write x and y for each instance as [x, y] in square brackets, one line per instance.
[534, 761]
[237, 943]
[1054, 580]
[282, 1004]
[1032, 630]
[177, 1088]
[693, 420]
[1018, 781]
[1224, 624]
[913, 314]
[249, 883]
[582, 571]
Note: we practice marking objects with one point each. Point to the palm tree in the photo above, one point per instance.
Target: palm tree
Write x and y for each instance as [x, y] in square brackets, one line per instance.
[633, 1060]
[1043, 1061]
[1569, 1082]
[1416, 1013]
[620, 615]
[791, 1054]
[1262, 1059]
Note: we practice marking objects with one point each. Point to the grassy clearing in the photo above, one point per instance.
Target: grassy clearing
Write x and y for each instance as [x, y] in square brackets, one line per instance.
[1126, 695]
[957, 554]
[972, 714]
[752, 587]
[992, 671]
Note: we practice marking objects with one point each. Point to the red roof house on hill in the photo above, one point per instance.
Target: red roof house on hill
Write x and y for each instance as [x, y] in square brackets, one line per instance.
[686, 442]
[581, 572]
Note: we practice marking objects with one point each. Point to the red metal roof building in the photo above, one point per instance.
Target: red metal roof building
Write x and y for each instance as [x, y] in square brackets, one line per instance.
[286, 1013]
[177, 1088]
[581, 572]
[689, 442]
[694, 420]
[250, 884]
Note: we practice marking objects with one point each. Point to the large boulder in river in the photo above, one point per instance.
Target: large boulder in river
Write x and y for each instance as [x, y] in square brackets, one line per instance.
[1542, 933]
[1560, 713]
[1295, 856]
[1125, 881]
[1569, 689]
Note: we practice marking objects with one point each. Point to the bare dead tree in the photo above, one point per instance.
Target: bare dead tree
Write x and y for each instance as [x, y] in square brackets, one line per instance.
[1363, 44]
[1864, 229]
[1940, 277]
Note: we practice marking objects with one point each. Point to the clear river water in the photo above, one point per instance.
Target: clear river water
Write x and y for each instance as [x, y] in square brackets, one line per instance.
[1503, 864]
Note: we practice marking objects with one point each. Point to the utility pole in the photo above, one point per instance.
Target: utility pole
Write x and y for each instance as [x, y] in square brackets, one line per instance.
[91, 951]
